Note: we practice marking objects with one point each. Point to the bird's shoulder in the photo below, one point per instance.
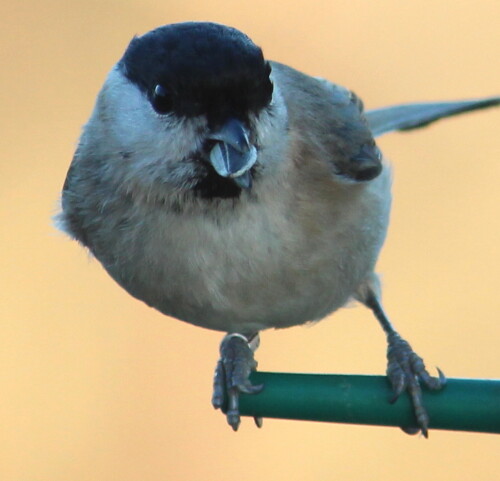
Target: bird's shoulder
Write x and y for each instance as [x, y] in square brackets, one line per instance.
[297, 86]
[328, 124]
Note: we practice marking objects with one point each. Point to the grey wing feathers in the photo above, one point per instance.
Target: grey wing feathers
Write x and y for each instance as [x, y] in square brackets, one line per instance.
[414, 116]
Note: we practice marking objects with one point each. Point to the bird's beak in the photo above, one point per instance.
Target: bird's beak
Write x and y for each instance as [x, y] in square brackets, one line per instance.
[233, 155]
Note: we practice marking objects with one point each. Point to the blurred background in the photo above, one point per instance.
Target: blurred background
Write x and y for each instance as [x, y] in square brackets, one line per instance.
[97, 386]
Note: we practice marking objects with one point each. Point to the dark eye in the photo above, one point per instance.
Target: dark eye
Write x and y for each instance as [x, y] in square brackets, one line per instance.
[161, 100]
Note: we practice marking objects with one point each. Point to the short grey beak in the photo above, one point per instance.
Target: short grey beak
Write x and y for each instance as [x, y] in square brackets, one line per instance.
[232, 155]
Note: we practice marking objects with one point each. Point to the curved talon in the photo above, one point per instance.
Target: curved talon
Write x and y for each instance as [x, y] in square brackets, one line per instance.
[232, 375]
[434, 383]
[249, 388]
[258, 421]
[442, 377]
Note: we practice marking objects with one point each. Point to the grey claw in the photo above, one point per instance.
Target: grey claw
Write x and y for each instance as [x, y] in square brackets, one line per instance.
[437, 383]
[250, 388]
[405, 369]
[232, 375]
[258, 421]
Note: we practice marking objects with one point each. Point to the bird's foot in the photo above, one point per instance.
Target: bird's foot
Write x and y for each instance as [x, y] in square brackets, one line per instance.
[232, 375]
[406, 370]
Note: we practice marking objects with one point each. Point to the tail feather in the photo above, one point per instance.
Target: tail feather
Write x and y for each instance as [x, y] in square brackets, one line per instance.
[414, 116]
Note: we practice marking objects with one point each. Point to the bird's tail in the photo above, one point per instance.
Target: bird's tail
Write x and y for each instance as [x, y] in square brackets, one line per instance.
[414, 116]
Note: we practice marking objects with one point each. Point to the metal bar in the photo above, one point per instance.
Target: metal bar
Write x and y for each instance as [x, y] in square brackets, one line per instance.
[463, 405]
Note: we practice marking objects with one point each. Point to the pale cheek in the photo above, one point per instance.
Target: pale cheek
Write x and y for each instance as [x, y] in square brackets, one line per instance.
[140, 130]
[158, 150]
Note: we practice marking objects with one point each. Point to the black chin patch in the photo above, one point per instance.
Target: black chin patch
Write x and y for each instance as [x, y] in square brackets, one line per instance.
[213, 186]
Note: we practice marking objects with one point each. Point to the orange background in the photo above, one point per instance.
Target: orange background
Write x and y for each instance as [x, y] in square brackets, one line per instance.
[96, 386]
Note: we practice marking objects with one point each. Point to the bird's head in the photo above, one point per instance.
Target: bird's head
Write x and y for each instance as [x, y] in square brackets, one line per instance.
[189, 107]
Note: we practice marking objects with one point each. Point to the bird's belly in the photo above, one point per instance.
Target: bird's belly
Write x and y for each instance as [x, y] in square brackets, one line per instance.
[249, 289]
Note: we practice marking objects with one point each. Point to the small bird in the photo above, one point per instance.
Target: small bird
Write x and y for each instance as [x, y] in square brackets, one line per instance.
[238, 194]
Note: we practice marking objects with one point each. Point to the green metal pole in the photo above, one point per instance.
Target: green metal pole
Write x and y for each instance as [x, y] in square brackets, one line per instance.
[463, 405]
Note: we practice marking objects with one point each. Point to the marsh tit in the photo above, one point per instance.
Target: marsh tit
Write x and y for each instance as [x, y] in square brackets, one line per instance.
[238, 194]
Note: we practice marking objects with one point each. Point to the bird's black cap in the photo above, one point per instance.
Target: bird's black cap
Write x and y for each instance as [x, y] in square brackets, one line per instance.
[205, 68]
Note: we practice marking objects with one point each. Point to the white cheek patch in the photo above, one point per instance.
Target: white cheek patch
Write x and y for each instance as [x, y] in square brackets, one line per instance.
[136, 127]
[144, 150]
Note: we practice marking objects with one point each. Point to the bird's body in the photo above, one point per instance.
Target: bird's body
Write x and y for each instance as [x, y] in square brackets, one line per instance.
[237, 194]
[189, 268]
[228, 263]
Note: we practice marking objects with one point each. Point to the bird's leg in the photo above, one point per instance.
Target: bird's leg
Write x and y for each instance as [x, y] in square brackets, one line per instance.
[232, 374]
[405, 369]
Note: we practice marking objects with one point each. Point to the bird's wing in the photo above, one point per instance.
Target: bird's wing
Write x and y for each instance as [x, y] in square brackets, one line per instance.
[414, 116]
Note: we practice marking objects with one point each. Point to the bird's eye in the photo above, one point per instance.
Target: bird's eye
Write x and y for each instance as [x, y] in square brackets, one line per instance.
[161, 100]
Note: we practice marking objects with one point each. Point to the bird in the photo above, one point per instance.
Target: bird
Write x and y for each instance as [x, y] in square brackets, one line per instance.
[238, 194]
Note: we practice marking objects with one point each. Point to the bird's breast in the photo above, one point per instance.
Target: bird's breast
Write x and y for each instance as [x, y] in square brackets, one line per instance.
[263, 262]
